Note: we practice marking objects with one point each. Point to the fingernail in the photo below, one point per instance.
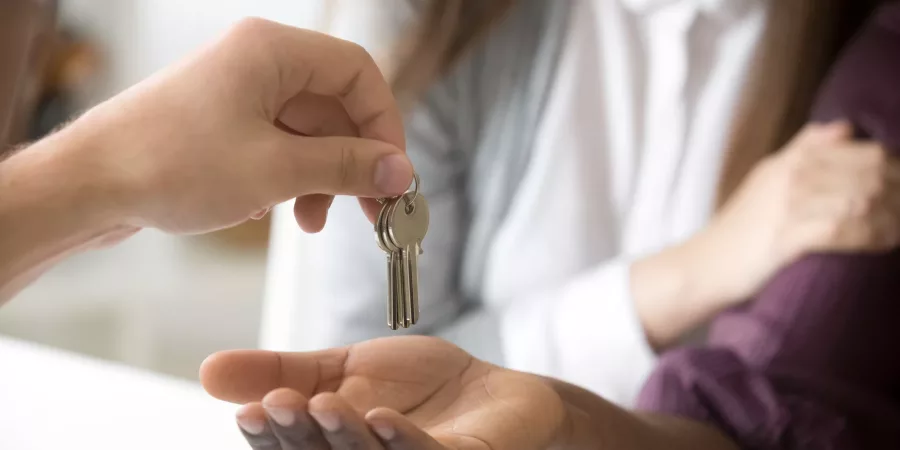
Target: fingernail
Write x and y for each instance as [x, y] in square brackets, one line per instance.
[281, 416]
[328, 421]
[251, 425]
[392, 174]
[384, 431]
[260, 214]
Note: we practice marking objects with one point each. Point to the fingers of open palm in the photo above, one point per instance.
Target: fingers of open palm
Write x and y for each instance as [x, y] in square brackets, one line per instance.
[342, 426]
[281, 422]
[425, 363]
[243, 376]
[253, 423]
[289, 418]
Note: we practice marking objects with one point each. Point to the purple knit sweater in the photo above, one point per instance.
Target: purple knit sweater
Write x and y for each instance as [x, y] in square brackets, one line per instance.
[814, 361]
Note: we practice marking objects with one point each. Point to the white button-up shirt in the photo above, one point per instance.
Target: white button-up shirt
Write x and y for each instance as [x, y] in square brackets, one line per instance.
[626, 162]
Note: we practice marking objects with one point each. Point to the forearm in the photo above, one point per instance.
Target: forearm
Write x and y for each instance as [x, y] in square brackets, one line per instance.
[674, 293]
[50, 206]
[594, 423]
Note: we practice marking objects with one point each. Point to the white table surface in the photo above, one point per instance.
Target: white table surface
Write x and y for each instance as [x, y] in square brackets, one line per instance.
[51, 399]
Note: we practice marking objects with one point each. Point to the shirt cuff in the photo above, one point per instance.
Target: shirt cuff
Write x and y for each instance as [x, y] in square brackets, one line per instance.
[586, 332]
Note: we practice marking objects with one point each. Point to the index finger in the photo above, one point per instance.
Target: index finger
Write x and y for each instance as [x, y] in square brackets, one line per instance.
[308, 61]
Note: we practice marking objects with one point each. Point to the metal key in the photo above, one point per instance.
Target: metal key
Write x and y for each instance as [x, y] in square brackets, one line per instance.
[393, 265]
[401, 293]
[407, 225]
[402, 260]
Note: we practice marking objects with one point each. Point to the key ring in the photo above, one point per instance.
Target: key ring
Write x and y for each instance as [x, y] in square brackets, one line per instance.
[411, 204]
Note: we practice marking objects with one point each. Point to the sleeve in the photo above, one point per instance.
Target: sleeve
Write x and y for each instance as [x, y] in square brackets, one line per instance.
[330, 289]
[812, 362]
[595, 307]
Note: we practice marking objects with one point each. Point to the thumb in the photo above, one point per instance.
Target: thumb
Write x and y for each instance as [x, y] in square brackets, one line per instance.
[340, 166]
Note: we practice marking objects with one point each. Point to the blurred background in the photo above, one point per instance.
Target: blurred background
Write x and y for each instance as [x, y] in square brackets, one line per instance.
[145, 303]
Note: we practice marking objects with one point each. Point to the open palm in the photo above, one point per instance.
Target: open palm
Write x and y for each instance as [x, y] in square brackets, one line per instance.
[429, 393]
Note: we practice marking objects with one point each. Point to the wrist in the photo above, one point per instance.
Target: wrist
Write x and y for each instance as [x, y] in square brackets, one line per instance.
[592, 422]
[52, 202]
[678, 288]
[65, 175]
[711, 273]
[588, 418]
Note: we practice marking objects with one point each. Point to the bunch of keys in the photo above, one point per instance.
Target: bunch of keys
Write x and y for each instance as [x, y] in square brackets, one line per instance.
[401, 226]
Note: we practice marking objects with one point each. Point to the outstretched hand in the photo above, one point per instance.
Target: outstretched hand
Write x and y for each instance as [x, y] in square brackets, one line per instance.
[391, 394]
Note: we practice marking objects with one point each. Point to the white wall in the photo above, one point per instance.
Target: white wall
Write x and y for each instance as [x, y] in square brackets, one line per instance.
[141, 36]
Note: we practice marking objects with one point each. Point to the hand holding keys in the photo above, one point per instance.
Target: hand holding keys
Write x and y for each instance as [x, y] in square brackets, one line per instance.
[399, 230]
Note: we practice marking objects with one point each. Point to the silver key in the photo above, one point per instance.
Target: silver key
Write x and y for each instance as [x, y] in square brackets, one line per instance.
[404, 305]
[407, 225]
[393, 264]
[402, 260]
[401, 290]
[400, 293]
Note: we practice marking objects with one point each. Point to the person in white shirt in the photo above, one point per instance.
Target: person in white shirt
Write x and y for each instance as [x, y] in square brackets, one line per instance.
[602, 175]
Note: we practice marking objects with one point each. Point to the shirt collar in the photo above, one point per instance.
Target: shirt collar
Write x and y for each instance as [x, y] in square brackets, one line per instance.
[728, 10]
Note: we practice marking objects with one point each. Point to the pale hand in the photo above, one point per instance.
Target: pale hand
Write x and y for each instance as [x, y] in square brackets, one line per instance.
[823, 193]
[266, 114]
